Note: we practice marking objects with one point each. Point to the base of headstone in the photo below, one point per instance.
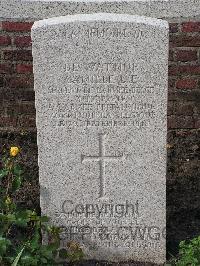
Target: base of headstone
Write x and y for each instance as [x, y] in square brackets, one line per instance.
[106, 263]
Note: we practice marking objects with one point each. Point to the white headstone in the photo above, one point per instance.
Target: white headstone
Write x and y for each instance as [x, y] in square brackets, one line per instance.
[101, 100]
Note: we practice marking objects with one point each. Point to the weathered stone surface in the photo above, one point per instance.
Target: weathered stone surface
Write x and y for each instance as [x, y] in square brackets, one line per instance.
[101, 100]
[40, 9]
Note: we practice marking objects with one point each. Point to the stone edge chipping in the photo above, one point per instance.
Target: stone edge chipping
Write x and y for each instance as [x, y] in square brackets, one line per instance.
[41, 9]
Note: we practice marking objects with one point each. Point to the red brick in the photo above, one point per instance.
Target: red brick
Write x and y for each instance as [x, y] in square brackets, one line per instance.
[170, 108]
[189, 70]
[171, 83]
[27, 95]
[16, 26]
[186, 84]
[184, 95]
[6, 68]
[186, 70]
[184, 40]
[27, 108]
[11, 94]
[191, 27]
[172, 95]
[180, 122]
[20, 108]
[181, 108]
[12, 108]
[1, 82]
[22, 41]
[186, 55]
[8, 122]
[22, 68]
[184, 133]
[27, 121]
[173, 70]
[171, 55]
[173, 27]
[19, 82]
[171, 122]
[197, 124]
[18, 55]
[5, 40]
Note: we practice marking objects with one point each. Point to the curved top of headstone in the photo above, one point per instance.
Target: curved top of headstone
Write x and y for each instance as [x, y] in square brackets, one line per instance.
[41, 9]
[100, 17]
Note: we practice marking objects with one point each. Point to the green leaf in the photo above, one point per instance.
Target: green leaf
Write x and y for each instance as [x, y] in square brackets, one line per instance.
[3, 173]
[33, 216]
[63, 254]
[21, 222]
[11, 218]
[22, 218]
[16, 183]
[3, 217]
[29, 259]
[15, 262]
[2, 190]
[43, 260]
[48, 251]
[44, 219]
[17, 170]
[51, 247]
[4, 243]
[35, 242]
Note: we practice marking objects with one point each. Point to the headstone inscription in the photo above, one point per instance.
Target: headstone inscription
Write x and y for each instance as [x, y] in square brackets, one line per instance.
[101, 97]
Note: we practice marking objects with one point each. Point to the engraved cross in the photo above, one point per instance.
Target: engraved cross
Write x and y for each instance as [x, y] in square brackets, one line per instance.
[101, 159]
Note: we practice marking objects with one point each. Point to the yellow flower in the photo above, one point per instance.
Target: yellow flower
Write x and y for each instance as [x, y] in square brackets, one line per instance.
[14, 151]
[8, 200]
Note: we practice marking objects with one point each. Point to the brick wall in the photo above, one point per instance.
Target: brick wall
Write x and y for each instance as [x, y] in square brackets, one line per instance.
[16, 78]
[184, 76]
[17, 114]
